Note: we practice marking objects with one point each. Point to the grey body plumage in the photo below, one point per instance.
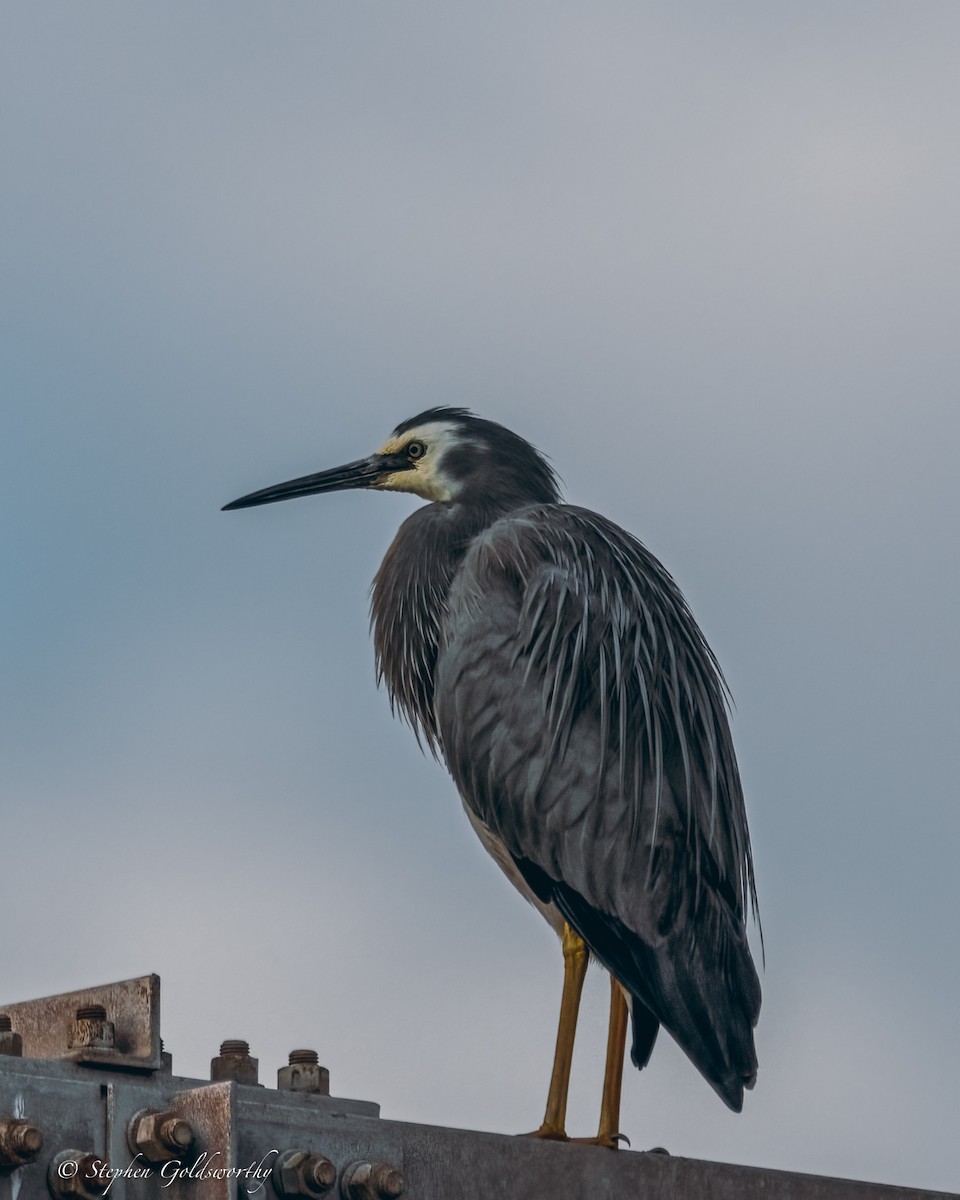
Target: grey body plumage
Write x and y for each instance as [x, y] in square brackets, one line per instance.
[553, 663]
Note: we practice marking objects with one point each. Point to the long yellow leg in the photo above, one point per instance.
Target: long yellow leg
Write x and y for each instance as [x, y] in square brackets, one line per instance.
[574, 972]
[609, 1132]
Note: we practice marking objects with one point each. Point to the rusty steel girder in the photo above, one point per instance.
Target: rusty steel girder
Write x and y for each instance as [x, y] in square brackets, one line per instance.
[90, 1108]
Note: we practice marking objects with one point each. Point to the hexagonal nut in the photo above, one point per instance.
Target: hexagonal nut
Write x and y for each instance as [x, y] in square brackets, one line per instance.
[160, 1136]
[92, 1033]
[304, 1077]
[11, 1043]
[303, 1173]
[373, 1181]
[76, 1173]
[20, 1142]
[240, 1068]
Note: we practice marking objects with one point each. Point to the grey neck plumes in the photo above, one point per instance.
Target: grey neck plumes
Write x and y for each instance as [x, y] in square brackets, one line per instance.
[408, 604]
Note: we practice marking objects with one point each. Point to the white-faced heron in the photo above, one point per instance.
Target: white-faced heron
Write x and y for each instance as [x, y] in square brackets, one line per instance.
[553, 663]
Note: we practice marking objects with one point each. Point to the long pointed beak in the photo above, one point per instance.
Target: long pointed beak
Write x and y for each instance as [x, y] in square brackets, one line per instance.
[360, 474]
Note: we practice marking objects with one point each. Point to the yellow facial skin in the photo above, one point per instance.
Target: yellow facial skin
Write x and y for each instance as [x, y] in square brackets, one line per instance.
[425, 476]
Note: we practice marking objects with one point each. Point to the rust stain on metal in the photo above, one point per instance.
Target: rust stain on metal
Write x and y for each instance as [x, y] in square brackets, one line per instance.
[211, 1113]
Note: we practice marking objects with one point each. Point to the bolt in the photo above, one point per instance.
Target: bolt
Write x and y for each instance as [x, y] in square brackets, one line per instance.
[159, 1136]
[76, 1173]
[19, 1142]
[91, 1029]
[303, 1056]
[303, 1173]
[10, 1042]
[373, 1181]
[234, 1063]
[304, 1074]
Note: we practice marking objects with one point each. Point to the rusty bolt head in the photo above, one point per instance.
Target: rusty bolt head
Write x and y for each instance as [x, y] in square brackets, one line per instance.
[91, 1029]
[304, 1074]
[373, 1181]
[75, 1173]
[10, 1042]
[160, 1136]
[20, 1142]
[303, 1173]
[234, 1063]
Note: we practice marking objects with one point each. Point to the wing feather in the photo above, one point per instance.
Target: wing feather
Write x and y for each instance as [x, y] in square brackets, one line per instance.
[583, 717]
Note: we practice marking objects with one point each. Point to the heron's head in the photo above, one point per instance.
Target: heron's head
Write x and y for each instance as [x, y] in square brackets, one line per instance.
[445, 455]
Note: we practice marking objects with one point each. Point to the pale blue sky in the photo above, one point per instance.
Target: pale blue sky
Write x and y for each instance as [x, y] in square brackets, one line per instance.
[707, 258]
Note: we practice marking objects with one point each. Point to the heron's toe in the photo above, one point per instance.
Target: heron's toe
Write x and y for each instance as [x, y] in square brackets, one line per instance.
[609, 1140]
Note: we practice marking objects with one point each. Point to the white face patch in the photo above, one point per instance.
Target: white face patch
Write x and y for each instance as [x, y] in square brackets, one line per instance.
[425, 476]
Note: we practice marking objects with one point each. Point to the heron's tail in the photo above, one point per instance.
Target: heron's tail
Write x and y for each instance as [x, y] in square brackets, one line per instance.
[705, 991]
[700, 984]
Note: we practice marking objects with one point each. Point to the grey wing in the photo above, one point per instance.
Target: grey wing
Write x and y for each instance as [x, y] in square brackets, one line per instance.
[582, 716]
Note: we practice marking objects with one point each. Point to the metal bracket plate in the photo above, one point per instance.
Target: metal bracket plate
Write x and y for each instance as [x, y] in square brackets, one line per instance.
[133, 1005]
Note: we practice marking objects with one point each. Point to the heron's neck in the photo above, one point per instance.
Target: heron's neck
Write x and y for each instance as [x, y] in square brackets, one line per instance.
[409, 602]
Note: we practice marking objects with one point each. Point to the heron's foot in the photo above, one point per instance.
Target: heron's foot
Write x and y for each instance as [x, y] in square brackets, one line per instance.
[610, 1140]
[549, 1133]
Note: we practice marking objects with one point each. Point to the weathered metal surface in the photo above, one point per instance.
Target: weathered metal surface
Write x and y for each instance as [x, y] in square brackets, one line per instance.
[242, 1132]
[68, 1111]
[455, 1164]
[209, 1171]
[69, 1025]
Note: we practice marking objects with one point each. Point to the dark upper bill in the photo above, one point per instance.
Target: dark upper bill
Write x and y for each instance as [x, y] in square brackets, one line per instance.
[362, 473]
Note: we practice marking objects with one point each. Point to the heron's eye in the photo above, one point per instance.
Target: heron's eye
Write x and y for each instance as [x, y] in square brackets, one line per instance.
[416, 450]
